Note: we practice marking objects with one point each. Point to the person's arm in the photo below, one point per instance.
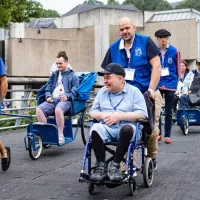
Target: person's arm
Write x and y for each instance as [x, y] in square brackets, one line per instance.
[4, 87]
[155, 73]
[140, 111]
[187, 82]
[75, 84]
[48, 89]
[178, 63]
[153, 55]
[107, 59]
[95, 111]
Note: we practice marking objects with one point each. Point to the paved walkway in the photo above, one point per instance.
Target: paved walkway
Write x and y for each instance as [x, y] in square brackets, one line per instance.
[55, 174]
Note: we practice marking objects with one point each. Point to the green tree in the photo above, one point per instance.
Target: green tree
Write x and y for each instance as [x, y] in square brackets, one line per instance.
[19, 11]
[95, 2]
[189, 4]
[149, 5]
[49, 13]
[112, 2]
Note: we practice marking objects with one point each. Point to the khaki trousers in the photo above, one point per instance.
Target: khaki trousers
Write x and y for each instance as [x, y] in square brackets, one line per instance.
[153, 139]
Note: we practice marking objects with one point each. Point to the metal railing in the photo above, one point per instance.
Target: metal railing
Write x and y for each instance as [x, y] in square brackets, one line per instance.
[24, 108]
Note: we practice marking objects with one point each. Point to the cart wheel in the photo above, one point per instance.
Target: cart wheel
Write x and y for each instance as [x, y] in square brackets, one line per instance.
[148, 172]
[85, 124]
[38, 144]
[185, 126]
[132, 185]
[91, 188]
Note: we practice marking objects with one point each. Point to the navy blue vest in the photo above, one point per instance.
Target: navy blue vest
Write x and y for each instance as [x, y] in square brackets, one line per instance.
[138, 61]
[170, 61]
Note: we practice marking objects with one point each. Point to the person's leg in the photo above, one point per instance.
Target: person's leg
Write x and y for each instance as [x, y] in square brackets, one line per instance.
[5, 157]
[61, 108]
[160, 118]
[184, 101]
[160, 128]
[3, 150]
[99, 151]
[169, 102]
[43, 110]
[125, 136]
[40, 116]
[153, 139]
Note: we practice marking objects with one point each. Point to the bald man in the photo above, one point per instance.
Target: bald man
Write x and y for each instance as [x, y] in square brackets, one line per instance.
[139, 55]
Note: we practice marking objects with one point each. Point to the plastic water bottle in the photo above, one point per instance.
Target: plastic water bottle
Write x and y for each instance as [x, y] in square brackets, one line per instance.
[60, 92]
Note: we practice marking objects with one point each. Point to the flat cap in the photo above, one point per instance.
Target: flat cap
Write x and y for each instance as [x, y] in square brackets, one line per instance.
[198, 60]
[162, 33]
[113, 68]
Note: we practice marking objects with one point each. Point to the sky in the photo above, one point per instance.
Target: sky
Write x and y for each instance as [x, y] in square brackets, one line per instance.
[63, 6]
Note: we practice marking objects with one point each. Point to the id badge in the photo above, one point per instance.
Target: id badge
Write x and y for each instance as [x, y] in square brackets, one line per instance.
[165, 71]
[129, 74]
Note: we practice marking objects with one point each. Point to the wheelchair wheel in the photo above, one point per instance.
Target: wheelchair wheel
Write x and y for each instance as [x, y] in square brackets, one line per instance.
[148, 172]
[185, 126]
[91, 188]
[85, 124]
[132, 185]
[38, 145]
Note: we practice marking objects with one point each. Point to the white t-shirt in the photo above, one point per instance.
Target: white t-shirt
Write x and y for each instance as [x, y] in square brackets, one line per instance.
[59, 90]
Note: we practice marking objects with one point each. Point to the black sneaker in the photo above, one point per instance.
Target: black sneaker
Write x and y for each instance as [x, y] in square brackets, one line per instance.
[154, 164]
[113, 172]
[100, 172]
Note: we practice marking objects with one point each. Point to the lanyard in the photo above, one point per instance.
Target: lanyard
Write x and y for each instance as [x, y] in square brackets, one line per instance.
[115, 107]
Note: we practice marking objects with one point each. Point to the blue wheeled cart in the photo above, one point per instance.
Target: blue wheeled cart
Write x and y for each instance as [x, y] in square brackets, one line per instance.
[41, 135]
[187, 117]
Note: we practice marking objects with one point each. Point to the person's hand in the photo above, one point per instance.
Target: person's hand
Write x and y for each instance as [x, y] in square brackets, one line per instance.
[177, 93]
[186, 92]
[152, 93]
[63, 98]
[111, 118]
[49, 99]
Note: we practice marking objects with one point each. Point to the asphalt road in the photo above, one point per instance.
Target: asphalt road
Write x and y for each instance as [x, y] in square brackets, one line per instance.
[55, 174]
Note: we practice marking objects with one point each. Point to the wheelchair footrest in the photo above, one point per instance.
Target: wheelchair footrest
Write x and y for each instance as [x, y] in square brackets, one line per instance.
[84, 178]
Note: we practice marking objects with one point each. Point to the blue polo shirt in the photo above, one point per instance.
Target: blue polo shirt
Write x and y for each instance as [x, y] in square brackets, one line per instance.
[2, 68]
[130, 99]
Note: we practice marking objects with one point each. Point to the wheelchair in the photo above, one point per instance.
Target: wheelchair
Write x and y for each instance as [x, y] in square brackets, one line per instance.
[187, 117]
[146, 169]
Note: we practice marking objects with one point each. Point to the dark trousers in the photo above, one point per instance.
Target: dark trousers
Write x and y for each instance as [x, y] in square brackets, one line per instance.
[169, 103]
[184, 101]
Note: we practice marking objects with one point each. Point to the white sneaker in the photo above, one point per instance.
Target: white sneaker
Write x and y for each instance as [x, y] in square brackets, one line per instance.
[61, 139]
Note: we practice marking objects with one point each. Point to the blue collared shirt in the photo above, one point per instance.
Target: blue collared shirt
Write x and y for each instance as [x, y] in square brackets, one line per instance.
[132, 101]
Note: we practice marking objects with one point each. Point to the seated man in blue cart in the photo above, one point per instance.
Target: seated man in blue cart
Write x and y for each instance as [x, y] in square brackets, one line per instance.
[117, 107]
[61, 89]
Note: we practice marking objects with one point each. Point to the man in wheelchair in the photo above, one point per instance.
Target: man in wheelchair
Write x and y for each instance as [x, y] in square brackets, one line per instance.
[191, 88]
[117, 107]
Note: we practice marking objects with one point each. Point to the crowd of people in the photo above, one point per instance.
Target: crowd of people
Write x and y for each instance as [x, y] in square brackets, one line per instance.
[133, 66]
